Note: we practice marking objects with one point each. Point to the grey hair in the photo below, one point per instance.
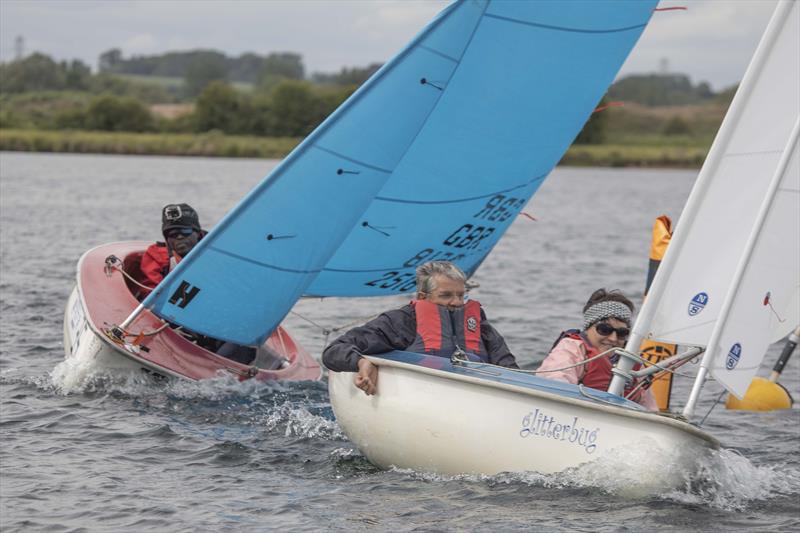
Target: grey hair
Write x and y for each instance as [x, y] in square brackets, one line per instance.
[427, 271]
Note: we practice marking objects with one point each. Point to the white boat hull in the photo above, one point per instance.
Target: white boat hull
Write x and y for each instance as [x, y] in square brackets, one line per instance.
[459, 422]
[84, 344]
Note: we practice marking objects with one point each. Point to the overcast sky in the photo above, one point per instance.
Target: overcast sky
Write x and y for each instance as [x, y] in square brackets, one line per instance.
[711, 41]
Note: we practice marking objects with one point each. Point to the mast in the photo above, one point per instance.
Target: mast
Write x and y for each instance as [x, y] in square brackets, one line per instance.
[748, 252]
[716, 155]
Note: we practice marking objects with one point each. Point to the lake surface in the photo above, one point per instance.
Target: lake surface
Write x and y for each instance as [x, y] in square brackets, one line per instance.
[86, 451]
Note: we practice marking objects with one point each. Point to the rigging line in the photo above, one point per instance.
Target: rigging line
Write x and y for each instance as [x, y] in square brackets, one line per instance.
[610, 104]
[584, 362]
[721, 394]
[328, 331]
[128, 276]
[644, 382]
[666, 334]
[324, 330]
[676, 8]
[647, 362]
[768, 301]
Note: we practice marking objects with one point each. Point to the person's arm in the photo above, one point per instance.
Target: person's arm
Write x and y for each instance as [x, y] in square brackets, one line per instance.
[393, 330]
[567, 352]
[390, 331]
[496, 347]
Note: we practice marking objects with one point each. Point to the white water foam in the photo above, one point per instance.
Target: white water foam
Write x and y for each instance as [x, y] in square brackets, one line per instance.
[300, 422]
[729, 481]
[77, 375]
[718, 479]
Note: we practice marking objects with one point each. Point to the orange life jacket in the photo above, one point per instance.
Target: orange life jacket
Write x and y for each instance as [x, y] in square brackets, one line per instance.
[441, 331]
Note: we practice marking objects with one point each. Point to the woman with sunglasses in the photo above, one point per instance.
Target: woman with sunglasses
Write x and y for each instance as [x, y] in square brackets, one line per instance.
[606, 325]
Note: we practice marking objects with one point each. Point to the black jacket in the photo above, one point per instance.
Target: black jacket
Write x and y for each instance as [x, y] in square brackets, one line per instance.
[396, 330]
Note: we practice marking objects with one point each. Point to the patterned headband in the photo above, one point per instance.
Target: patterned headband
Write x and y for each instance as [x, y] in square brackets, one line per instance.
[607, 309]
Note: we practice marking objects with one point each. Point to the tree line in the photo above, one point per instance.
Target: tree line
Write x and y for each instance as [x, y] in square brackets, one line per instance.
[40, 93]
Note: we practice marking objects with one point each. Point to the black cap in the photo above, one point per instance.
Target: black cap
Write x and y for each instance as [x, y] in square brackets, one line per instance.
[179, 216]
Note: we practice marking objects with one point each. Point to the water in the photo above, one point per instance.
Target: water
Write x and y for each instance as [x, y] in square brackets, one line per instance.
[84, 451]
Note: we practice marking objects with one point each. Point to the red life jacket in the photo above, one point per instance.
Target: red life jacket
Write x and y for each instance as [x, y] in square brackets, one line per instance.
[441, 331]
[155, 263]
[597, 374]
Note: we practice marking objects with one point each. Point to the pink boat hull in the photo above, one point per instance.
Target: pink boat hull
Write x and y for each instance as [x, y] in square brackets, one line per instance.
[103, 298]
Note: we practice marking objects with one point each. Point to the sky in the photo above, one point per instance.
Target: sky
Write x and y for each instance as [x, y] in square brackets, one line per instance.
[712, 40]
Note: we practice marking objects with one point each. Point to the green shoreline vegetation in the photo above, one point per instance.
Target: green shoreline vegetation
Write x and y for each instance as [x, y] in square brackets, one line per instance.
[217, 144]
[204, 103]
[208, 144]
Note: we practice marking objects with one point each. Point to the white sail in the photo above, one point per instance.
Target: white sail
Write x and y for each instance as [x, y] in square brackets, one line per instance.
[710, 240]
[764, 302]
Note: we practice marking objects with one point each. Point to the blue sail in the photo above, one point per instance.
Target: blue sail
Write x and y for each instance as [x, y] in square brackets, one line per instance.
[523, 86]
[437, 151]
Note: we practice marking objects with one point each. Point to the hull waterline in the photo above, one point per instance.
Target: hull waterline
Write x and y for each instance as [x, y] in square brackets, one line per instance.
[431, 416]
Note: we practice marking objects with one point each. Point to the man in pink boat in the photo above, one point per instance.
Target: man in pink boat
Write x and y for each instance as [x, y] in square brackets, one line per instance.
[606, 325]
[180, 226]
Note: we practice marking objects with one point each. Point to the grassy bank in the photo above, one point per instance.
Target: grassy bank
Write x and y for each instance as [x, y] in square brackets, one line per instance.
[211, 144]
[652, 151]
[625, 155]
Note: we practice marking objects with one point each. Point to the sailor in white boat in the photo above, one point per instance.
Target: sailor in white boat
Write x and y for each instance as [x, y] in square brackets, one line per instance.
[438, 322]
[606, 325]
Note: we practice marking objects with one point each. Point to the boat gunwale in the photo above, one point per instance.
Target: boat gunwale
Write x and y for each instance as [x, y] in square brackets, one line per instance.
[649, 416]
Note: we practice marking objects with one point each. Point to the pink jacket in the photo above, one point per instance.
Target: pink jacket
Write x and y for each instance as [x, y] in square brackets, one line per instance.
[572, 351]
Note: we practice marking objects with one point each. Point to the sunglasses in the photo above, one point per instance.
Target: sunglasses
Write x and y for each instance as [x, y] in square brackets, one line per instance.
[178, 232]
[605, 330]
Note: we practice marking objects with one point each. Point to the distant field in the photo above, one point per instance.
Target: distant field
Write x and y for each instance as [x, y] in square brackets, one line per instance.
[212, 144]
[171, 111]
[686, 124]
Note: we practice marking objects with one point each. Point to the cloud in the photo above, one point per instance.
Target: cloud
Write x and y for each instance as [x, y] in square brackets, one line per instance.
[712, 40]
